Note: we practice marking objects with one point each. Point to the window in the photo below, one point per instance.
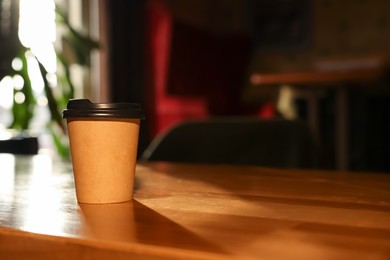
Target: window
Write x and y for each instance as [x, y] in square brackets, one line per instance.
[38, 32]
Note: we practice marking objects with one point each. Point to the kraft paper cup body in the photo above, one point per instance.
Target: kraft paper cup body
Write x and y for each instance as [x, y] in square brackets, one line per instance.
[103, 153]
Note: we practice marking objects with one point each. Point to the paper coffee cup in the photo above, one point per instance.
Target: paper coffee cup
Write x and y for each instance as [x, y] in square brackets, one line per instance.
[103, 144]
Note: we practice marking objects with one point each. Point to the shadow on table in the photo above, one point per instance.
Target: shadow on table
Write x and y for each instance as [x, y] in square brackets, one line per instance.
[135, 223]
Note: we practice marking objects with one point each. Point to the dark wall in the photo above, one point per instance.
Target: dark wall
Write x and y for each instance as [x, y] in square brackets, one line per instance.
[125, 36]
[369, 115]
[126, 62]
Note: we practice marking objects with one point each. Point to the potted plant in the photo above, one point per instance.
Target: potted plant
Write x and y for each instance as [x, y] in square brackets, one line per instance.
[76, 48]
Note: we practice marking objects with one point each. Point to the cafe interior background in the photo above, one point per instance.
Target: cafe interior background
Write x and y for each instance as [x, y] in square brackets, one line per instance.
[197, 59]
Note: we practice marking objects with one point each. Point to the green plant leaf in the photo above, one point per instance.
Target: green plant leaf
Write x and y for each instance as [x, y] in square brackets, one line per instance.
[62, 148]
[75, 42]
[52, 102]
[23, 112]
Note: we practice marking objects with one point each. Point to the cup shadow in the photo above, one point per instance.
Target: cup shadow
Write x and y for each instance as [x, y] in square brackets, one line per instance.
[133, 222]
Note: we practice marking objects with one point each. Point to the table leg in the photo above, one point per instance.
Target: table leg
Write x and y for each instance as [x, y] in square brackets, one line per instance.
[312, 114]
[341, 129]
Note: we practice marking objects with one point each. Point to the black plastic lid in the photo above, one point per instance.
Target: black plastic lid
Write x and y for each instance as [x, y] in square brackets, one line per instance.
[83, 108]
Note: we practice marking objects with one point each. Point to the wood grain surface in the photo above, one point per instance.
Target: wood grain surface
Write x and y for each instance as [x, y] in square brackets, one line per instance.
[195, 211]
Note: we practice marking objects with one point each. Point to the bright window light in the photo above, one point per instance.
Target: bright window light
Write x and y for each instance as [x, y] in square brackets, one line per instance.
[6, 92]
[42, 101]
[19, 97]
[17, 64]
[34, 73]
[18, 82]
[37, 30]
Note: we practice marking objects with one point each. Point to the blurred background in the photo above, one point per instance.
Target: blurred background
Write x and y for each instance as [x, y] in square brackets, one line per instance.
[183, 59]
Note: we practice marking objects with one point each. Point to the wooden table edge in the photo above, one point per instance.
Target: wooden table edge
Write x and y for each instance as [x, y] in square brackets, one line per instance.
[115, 246]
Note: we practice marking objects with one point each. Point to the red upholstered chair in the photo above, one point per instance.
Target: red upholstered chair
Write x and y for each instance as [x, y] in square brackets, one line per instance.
[165, 109]
[193, 72]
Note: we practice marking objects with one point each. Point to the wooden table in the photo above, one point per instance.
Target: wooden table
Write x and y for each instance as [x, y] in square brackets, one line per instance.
[183, 211]
[314, 81]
